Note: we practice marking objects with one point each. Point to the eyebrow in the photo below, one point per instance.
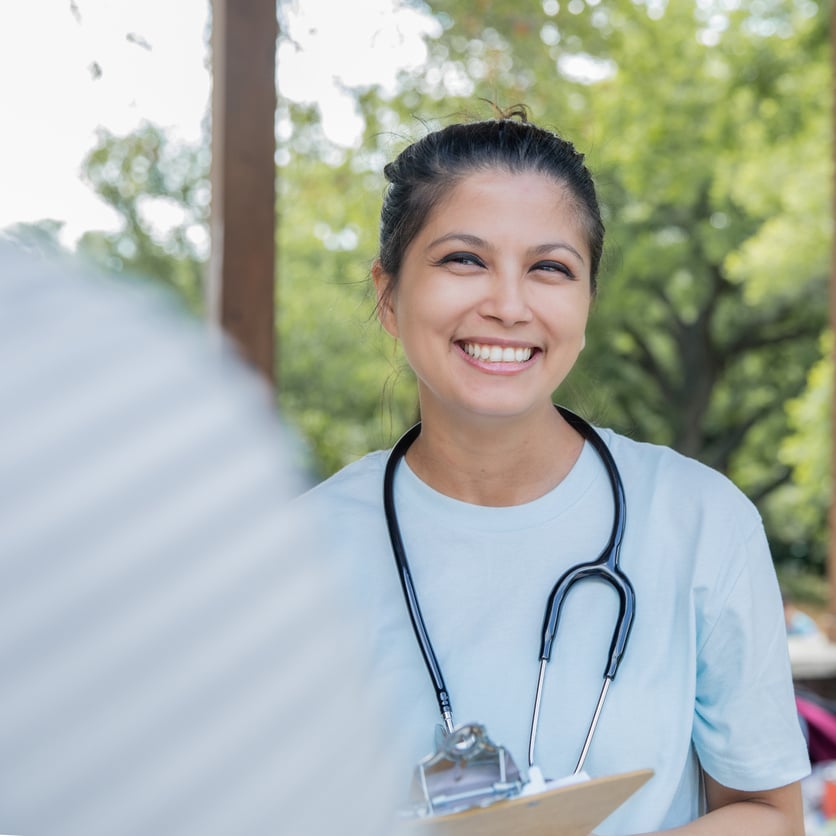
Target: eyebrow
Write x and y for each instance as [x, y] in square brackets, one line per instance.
[476, 241]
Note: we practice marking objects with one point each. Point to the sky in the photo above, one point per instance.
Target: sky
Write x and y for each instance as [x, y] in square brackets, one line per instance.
[68, 67]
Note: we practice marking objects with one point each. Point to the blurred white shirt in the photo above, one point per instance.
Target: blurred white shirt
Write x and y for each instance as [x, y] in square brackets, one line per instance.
[168, 639]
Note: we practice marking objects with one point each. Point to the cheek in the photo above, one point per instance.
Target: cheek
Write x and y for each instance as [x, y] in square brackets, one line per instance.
[430, 307]
[568, 314]
[585, 319]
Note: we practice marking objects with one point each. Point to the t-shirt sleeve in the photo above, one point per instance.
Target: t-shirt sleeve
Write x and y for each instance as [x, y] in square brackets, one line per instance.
[746, 729]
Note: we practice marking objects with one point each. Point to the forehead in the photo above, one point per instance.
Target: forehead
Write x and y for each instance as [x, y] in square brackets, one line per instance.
[489, 181]
[526, 203]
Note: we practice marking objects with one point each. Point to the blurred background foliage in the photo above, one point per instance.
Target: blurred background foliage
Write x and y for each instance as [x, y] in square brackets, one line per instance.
[707, 125]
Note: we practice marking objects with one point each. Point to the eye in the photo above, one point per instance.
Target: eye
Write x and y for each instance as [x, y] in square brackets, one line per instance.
[553, 267]
[462, 258]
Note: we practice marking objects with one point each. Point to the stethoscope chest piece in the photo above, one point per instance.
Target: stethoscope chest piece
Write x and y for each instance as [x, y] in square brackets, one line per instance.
[466, 770]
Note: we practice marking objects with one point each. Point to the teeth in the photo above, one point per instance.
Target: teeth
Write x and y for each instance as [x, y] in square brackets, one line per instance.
[497, 354]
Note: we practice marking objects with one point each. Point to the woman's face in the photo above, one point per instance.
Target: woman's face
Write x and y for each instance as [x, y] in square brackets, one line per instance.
[493, 296]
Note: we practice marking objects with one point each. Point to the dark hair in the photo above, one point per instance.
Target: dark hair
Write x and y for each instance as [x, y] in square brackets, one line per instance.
[424, 172]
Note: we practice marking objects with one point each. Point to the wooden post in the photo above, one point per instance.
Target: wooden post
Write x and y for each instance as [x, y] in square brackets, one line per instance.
[831, 563]
[243, 224]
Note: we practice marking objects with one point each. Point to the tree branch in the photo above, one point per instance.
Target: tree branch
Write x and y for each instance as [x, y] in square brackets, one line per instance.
[721, 448]
[762, 491]
[754, 337]
[648, 363]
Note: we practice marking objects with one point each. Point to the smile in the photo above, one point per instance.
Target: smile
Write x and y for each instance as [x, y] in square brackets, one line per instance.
[497, 353]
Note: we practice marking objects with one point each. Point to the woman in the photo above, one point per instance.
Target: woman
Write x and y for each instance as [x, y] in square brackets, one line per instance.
[490, 242]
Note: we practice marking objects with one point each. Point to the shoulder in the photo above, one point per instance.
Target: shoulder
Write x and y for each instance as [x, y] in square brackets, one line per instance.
[43, 288]
[352, 489]
[63, 321]
[117, 368]
[657, 471]
[345, 515]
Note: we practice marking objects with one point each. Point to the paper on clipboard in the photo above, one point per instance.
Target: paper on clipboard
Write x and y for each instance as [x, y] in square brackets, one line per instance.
[573, 810]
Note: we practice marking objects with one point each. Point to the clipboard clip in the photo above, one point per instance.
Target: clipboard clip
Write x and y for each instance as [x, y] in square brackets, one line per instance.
[466, 770]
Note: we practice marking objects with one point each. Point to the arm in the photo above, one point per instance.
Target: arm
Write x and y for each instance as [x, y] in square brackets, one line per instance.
[731, 719]
[777, 812]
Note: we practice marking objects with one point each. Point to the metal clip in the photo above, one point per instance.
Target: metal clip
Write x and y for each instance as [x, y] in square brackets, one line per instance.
[466, 770]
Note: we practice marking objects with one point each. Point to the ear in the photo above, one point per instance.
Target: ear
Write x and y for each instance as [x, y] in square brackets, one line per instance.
[385, 298]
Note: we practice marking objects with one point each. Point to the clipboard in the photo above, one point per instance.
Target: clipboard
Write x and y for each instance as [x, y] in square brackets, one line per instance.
[572, 810]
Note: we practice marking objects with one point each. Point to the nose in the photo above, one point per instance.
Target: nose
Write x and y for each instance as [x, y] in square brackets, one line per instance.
[506, 299]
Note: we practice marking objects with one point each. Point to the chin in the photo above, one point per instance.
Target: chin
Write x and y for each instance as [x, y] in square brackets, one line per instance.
[507, 409]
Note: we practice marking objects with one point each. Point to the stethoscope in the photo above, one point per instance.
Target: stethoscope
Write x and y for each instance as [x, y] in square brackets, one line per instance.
[604, 568]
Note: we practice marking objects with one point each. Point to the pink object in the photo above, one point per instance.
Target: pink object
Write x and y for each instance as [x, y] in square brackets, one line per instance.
[821, 732]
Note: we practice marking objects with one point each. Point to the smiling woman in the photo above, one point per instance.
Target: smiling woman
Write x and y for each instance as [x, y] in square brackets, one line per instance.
[490, 243]
[500, 267]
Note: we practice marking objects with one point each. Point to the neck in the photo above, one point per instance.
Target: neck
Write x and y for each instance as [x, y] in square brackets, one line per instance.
[495, 463]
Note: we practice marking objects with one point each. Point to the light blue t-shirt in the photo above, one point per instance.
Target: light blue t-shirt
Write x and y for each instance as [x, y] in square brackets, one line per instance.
[705, 679]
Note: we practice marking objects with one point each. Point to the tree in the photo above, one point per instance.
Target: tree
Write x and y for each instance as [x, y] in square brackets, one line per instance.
[141, 176]
[695, 119]
[340, 378]
[333, 361]
[801, 508]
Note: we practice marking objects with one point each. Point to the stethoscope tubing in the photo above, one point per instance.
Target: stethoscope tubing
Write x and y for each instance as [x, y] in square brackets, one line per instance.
[407, 584]
[604, 568]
